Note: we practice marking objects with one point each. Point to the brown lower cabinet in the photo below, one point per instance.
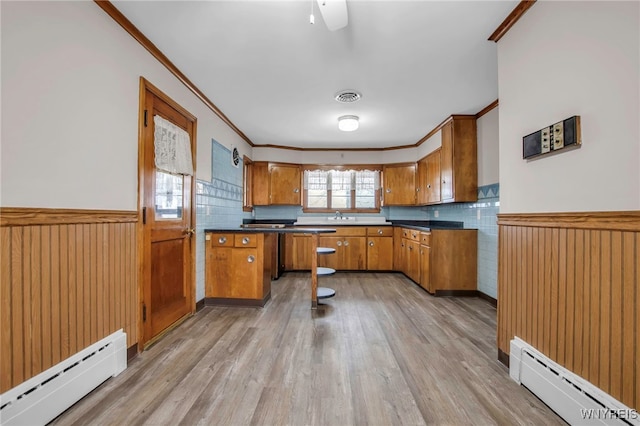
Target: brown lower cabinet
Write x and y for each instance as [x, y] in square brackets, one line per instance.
[357, 248]
[238, 268]
[443, 261]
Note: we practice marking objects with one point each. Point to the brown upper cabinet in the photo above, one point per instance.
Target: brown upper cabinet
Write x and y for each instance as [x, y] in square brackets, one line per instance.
[399, 184]
[428, 185]
[276, 184]
[459, 160]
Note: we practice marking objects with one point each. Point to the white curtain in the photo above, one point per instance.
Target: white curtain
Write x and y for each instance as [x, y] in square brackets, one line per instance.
[172, 147]
[342, 180]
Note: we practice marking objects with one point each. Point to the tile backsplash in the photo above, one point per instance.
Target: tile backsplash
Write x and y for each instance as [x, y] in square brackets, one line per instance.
[218, 204]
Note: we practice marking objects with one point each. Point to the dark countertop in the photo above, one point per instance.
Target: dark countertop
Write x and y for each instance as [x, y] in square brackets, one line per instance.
[267, 229]
[421, 225]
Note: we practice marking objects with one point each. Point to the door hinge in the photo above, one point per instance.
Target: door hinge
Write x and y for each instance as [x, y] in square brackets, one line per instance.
[144, 215]
[145, 118]
[144, 312]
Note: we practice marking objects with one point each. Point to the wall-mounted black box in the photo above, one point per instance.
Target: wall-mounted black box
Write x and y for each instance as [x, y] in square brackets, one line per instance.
[558, 136]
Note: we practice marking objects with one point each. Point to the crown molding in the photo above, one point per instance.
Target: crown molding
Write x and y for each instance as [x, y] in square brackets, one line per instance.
[510, 20]
[128, 26]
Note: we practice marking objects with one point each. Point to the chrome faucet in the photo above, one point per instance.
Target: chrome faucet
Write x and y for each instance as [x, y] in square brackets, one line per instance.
[338, 214]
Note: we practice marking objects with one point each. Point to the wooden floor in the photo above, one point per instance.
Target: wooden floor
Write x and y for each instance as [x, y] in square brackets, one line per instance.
[382, 352]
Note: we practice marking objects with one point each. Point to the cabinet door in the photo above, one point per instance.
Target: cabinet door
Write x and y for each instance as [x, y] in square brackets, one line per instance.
[446, 163]
[399, 184]
[285, 184]
[218, 274]
[353, 256]
[425, 268]
[301, 256]
[422, 182]
[330, 260]
[432, 185]
[260, 183]
[380, 253]
[244, 274]
[397, 249]
[413, 260]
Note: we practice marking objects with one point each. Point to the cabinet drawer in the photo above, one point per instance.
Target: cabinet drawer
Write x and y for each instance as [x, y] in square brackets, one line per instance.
[245, 240]
[425, 238]
[380, 231]
[411, 234]
[221, 240]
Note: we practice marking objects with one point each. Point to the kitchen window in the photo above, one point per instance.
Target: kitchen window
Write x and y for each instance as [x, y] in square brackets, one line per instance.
[350, 190]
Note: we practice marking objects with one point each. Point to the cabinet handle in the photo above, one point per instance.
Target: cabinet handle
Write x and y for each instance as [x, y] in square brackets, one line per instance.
[388, 190]
[339, 243]
[410, 247]
[370, 243]
[246, 240]
[222, 240]
[429, 186]
[380, 231]
[402, 245]
[414, 235]
[296, 190]
[417, 189]
[250, 259]
[346, 243]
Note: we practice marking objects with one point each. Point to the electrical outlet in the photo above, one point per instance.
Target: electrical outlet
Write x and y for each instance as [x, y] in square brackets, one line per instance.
[478, 214]
[436, 213]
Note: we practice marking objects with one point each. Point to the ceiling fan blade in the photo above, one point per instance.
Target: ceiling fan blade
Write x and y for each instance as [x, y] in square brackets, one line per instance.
[334, 13]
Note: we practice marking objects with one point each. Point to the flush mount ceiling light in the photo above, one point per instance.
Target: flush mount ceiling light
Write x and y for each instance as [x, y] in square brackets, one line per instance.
[348, 123]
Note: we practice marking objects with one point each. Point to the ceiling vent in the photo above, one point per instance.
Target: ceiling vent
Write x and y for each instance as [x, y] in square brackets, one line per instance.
[347, 96]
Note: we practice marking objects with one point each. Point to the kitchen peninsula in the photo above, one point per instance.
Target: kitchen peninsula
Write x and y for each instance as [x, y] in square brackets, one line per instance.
[239, 266]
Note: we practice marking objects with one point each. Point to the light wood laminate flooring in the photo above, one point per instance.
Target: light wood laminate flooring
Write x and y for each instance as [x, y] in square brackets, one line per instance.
[382, 352]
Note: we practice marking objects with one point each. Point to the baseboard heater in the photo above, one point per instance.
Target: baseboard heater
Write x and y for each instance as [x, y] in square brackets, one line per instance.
[574, 399]
[45, 396]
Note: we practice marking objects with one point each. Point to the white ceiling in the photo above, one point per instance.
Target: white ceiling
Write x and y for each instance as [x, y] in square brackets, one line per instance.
[275, 76]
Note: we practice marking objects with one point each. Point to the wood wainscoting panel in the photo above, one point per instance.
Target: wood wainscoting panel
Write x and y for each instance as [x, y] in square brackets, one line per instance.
[573, 292]
[64, 286]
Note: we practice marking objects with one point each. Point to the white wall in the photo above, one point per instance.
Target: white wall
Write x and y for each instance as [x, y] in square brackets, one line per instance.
[563, 59]
[70, 93]
[488, 138]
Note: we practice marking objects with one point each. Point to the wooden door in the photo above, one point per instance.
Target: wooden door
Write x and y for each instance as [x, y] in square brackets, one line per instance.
[260, 183]
[330, 260]
[301, 252]
[421, 182]
[433, 177]
[446, 163]
[380, 253]
[353, 255]
[399, 184]
[413, 260]
[425, 268]
[285, 183]
[168, 220]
